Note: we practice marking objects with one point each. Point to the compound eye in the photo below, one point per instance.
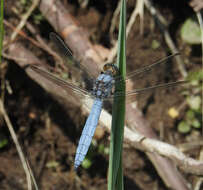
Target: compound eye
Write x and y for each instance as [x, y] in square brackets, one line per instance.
[114, 71]
[106, 67]
[111, 67]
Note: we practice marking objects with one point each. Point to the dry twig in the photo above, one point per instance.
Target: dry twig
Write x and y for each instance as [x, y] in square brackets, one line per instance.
[40, 43]
[24, 19]
[139, 9]
[139, 141]
[114, 19]
[28, 171]
[162, 24]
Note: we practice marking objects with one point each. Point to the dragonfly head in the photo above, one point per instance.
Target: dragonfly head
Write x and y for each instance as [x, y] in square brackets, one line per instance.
[110, 68]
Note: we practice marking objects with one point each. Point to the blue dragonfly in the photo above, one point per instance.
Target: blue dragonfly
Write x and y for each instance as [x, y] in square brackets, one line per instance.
[102, 89]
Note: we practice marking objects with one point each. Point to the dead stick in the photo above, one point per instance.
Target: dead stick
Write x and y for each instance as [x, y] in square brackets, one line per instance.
[162, 24]
[18, 147]
[24, 19]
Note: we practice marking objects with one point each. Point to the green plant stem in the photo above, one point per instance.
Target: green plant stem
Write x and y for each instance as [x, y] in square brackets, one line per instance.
[115, 175]
[1, 28]
[1, 48]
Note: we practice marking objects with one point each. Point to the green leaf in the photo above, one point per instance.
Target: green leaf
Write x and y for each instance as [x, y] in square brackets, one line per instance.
[64, 75]
[183, 127]
[196, 123]
[155, 44]
[194, 102]
[52, 164]
[190, 114]
[115, 175]
[195, 75]
[191, 32]
[86, 163]
[106, 150]
[23, 2]
[101, 148]
[3, 143]
[38, 18]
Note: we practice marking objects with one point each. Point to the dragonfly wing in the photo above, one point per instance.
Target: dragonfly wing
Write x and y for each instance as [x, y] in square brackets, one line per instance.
[131, 95]
[166, 85]
[144, 71]
[63, 49]
[61, 45]
[68, 86]
[88, 132]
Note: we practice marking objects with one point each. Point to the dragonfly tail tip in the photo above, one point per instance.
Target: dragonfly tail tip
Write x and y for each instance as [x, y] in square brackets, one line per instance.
[75, 168]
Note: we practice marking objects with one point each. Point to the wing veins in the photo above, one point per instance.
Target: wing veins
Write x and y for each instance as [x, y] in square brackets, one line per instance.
[66, 52]
[142, 90]
[61, 45]
[146, 68]
[59, 81]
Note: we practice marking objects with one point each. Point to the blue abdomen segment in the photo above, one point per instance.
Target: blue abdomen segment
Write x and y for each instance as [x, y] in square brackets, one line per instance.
[88, 132]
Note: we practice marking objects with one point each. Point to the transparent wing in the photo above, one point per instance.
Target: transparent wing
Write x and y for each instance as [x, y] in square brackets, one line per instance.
[68, 86]
[144, 71]
[61, 45]
[143, 90]
[63, 49]
[131, 95]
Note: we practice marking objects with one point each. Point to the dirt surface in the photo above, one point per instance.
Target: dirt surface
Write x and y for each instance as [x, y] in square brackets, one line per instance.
[49, 134]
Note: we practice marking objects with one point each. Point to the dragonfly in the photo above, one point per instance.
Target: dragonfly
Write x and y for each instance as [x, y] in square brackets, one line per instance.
[103, 89]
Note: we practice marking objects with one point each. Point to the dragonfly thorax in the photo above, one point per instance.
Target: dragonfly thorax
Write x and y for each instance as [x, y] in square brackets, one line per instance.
[103, 86]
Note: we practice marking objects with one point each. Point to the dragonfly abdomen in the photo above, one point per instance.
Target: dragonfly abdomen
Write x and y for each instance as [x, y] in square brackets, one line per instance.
[88, 132]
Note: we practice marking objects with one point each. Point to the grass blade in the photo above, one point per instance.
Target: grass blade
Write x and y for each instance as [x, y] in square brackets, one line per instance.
[1, 28]
[115, 175]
